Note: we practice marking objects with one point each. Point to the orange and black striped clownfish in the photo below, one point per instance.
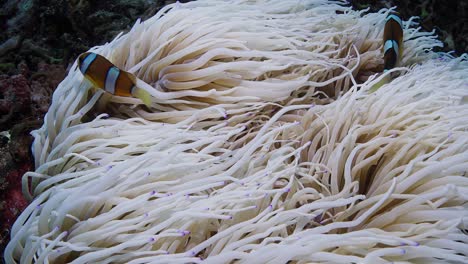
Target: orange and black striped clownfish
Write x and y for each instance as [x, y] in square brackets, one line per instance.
[105, 75]
[392, 46]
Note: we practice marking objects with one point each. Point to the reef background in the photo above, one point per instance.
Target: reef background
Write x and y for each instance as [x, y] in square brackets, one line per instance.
[41, 39]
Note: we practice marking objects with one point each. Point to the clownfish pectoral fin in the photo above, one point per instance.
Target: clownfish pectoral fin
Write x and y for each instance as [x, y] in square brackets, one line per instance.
[143, 95]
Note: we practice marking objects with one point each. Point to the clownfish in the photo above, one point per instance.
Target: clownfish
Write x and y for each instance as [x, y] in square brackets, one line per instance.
[105, 75]
[392, 46]
[392, 41]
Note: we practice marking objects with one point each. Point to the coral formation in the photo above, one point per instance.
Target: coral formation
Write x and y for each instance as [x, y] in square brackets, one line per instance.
[15, 161]
[16, 95]
[12, 200]
[25, 98]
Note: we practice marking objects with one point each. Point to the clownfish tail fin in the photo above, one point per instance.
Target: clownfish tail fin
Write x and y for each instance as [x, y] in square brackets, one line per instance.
[138, 92]
[143, 95]
[384, 80]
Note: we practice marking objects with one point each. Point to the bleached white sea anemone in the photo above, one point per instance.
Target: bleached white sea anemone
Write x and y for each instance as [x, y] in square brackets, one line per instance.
[263, 145]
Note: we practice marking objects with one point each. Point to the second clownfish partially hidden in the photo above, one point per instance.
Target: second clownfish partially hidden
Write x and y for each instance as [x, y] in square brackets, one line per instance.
[393, 41]
[105, 75]
[392, 47]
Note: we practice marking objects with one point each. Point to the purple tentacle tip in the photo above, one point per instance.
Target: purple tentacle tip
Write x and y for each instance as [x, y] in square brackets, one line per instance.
[152, 239]
[153, 192]
[287, 190]
[403, 251]
[147, 174]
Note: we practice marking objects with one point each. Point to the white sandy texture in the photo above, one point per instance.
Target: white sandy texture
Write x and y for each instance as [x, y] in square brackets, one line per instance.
[263, 145]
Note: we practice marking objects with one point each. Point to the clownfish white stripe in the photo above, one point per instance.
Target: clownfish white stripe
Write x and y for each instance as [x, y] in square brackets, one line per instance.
[111, 78]
[391, 44]
[87, 61]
